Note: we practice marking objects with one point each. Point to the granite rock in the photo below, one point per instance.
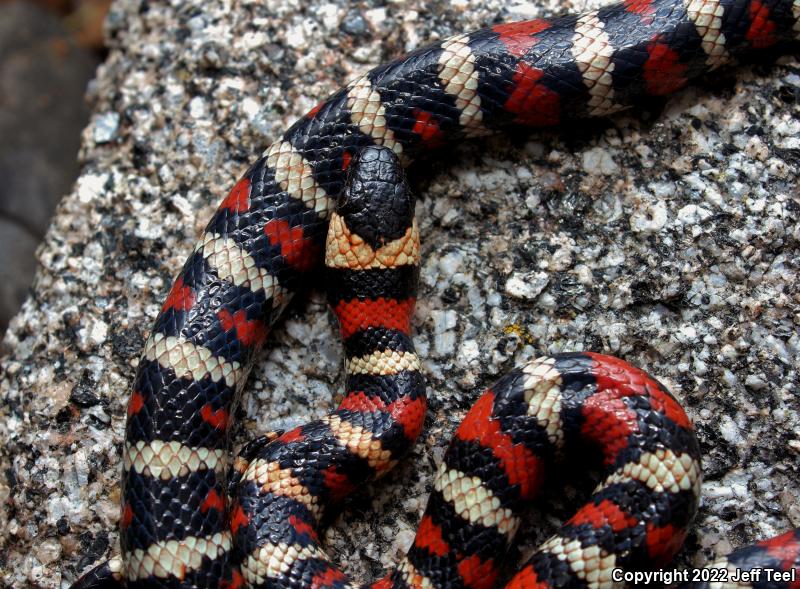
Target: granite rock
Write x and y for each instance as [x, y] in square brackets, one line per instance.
[668, 236]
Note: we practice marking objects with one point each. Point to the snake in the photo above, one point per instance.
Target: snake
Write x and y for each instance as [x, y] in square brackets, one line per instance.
[188, 520]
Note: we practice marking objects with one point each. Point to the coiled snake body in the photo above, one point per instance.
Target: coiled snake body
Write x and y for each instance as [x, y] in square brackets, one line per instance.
[178, 529]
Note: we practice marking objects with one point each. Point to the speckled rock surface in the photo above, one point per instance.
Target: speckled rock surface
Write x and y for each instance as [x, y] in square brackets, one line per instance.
[669, 237]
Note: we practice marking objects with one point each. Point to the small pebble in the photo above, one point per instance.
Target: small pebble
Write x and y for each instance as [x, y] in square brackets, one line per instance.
[106, 126]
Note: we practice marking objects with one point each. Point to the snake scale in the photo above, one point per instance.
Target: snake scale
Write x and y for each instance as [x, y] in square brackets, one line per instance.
[179, 528]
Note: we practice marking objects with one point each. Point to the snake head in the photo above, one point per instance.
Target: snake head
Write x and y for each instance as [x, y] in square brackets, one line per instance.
[376, 202]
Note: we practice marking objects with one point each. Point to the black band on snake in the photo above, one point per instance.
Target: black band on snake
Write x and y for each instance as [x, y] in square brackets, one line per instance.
[178, 526]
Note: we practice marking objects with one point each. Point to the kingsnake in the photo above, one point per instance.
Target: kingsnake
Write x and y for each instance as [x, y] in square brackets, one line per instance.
[176, 527]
